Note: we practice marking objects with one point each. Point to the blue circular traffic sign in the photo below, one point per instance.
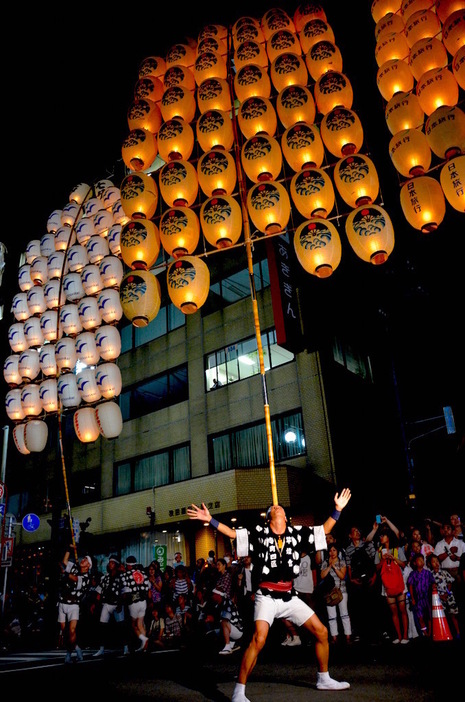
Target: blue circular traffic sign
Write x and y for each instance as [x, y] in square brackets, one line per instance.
[31, 522]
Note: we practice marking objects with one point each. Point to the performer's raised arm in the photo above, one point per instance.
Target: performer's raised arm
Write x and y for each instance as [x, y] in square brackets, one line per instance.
[202, 514]
[340, 501]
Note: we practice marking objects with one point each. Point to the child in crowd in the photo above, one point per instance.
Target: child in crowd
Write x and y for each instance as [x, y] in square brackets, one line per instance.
[444, 581]
[420, 582]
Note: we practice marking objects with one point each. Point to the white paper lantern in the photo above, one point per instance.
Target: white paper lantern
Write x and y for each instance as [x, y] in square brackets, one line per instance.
[30, 400]
[28, 365]
[91, 279]
[68, 393]
[16, 337]
[86, 348]
[72, 286]
[65, 354]
[89, 313]
[77, 258]
[19, 306]
[109, 419]
[54, 221]
[57, 265]
[103, 220]
[52, 329]
[109, 304]
[48, 391]
[36, 435]
[54, 294]
[47, 245]
[97, 247]
[85, 425]
[114, 239]
[84, 230]
[70, 319]
[39, 270]
[11, 370]
[47, 360]
[111, 271]
[13, 405]
[64, 238]
[32, 250]
[18, 438]
[87, 385]
[108, 342]
[109, 380]
[36, 301]
[33, 332]
[71, 213]
[24, 277]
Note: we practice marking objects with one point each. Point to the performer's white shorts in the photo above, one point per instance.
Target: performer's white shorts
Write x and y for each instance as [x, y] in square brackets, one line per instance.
[268, 609]
[137, 609]
[108, 610]
[235, 633]
[67, 612]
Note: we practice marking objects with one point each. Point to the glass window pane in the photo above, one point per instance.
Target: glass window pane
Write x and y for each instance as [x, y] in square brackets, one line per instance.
[125, 405]
[162, 468]
[176, 318]
[126, 338]
[181, 464]
[248, 358]
[123, 479]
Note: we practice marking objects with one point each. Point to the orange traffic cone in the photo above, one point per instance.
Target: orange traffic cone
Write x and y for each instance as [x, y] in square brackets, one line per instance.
[441, 631]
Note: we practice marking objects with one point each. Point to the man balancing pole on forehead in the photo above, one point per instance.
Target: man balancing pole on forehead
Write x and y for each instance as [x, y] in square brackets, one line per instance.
[275, 549]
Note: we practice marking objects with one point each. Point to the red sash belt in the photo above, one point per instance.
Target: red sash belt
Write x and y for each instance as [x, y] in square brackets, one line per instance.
[280, 586]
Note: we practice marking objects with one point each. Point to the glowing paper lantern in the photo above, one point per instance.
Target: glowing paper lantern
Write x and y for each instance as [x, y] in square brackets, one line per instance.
[403, 111]
[86, 348]
[72, 286]
[435, 88]
[30, 400]
[257, 115]
[140, 296]
[342, 132]
[65, 354]
[393, 77]
[445, 132]
[87, 385]
[57, 264]
[140, 243]
[119, 215]
[25, 281]
[76, 258]
[13, 406]
[149, 88]
[179, 231]
[410, 152]
[114, 239]
[139, 196]
[32, 250]
[47, 360]
[423, 203]
[178, 183]
[388, 24]
[51, 326]
[282, 41]
[214, 130]
[18, 438]
[97, 248]
[313, 31]
[216, 171]
[370, 233]
[36, 300]
[54, 221]
[426, 54]
[91, 279]
[261, 158]
[210, 43]
[85, 425]
[180, 54]
[458, 67]
[16, 337]
[102, 222]
[444, 8]
[109, 419]
[84, 230]
[288, 69]
[302, 145]
[70, 214]
[214, 94]
[333, 89]
[251, 81]
[321, 57]
[69, 319]
[20, 307]
[64, 238]
[109, 305]
[295, 104]
[89, 313]
[68, 393]
[209, 64]
[108, 342]
[152, 66]
[54, 294]
[391, 46]
[144, 114]
[423, 24]
[179, 75]
[453, 31]
[188, 282]
[221, 221]
[111, 271]
[269, 207]
[175, 140]
[312, 192]
[452, 178]
[47, 244]
[11, 370]
[356, 180]
[109, 381]
[178, 101]
[35, 435]
[318, 247]
[33, 332]
[28, 365]
[250, 52]
[307, 11]
[48, 391]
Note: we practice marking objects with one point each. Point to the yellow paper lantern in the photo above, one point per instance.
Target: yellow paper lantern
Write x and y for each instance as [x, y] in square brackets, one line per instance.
[410, 152]
[458, 67]
[356, 180]
[318, 247]
[140, 243]
[209, 64]
[214, 94]
[139, 149]
[380, 8]
[452, 178]
[152, 66]
[390, 23]
[261, 158]
[179, 231]
[188, 283]
[211, 43]
[423, 203]
[333, 89]
[181, 53]
[342, 132]
[453, 31]
[85, 425]
[409, 7]
[403, 111]
[313, 31]
[307, 11]
[179, 75]
[269, 207]
[426, 54]
[391, 46]
[295, 104]
[178, 101]
[394, 77]
[370, 233]
[149, 88]
[445, 131]
[282, 41]
[251, 81]
[144, 114]
[288, 69]
[246, 28]
[423, 24]
[444, 8]
[214, 130]
[140, 296]
[257, 115]
[312, 192]
[321, 57]
[179, 183]
[435, 88]
[217, 173]
[221, 221]
[274, 19]
[139, 196]
[175, 140]
[302, 145]
[250, 52]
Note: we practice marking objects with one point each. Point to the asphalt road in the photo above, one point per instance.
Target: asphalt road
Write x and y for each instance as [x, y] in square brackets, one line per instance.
[420, 672]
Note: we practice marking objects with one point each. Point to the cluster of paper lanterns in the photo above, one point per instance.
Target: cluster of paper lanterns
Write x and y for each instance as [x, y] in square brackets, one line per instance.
[66, 313]
[420, 52]
[206, 153]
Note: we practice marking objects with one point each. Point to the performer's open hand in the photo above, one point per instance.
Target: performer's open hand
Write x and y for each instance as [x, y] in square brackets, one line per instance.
[201, 513]
[341, 500]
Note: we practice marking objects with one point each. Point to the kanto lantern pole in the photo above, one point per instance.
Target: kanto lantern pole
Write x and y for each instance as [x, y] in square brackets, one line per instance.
[253, 296]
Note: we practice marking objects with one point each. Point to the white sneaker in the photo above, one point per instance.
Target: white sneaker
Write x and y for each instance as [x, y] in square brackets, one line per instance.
[396, 641]
[286, 641]
[226, 651]
[143, 645]
[330, 684]
[99, 653]
[295, 641]
[404, 641]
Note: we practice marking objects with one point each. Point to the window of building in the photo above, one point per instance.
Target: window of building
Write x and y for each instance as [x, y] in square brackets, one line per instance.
[168, 318]
[240, 360]
[154, 394]
[85, 486]
[237, 286]
[162, 468]
[247, 447]
[354, 361]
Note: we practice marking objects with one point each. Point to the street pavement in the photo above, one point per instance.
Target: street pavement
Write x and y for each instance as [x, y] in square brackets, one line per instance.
[423, 671]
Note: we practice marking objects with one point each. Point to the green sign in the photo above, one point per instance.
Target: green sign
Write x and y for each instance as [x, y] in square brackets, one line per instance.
[160, 554]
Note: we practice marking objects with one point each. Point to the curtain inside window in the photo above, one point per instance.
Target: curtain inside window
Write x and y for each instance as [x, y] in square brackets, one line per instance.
[181, 464]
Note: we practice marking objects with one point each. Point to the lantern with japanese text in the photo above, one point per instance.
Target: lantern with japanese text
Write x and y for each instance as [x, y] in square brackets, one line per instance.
[312, 192]
[35, 435]
[394, 76]
[109, 419]
[175, 140]
[403, 111]
[295, 104]
[435, 88]
[356, 180]
[85, 425]
[302, 145]
[214, 130]
[318, 247]
[452, 179]
[410, 152]
[179, 184]
[423, 203]
[445, 131]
